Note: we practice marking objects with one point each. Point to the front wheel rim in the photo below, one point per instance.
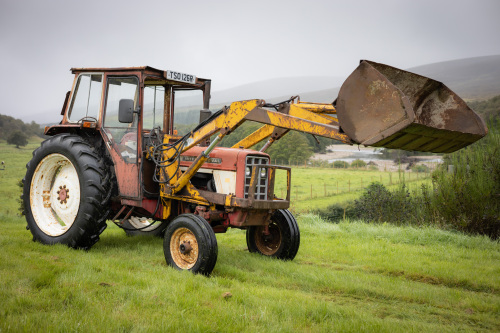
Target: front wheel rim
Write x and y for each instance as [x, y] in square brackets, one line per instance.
[55, 194]
[268, 244]
[184, 248]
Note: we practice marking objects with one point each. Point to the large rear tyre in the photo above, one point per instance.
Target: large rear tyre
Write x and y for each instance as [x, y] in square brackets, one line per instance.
[283, 240]
[190, 244]
[66, 192]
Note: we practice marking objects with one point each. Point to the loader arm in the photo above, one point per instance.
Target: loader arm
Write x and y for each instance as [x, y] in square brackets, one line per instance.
[290, 117]
[317, 112]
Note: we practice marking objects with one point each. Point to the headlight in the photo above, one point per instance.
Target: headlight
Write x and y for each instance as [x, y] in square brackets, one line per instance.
[248, 171]
[262, 172]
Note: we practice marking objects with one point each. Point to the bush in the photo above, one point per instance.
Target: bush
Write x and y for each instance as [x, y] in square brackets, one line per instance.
[336, 212]
[469, 198]
[17, 138]
[340, 164]
[358, 164]
[319, 163]
[420, 168]
[377, 204]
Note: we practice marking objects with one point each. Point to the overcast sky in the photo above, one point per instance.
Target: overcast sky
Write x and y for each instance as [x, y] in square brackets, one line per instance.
[232, 42]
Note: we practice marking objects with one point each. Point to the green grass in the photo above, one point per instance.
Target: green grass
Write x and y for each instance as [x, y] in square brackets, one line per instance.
[346, 277]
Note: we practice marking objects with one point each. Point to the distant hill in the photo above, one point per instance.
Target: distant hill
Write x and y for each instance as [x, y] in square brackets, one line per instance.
[45, 118]
[270, 89]
[470, 78]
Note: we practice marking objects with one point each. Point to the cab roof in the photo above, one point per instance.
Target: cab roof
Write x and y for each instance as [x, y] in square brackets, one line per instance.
[147, 70]
[115, 69]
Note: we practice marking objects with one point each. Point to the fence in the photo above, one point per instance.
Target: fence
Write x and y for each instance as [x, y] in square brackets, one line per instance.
[342, 185]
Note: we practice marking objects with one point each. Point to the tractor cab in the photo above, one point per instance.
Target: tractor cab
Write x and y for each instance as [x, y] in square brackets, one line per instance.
[130, 107]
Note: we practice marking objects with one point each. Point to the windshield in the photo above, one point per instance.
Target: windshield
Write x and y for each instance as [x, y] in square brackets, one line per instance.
[187, 106]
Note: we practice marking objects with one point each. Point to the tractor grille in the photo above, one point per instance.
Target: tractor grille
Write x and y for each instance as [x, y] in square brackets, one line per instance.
[262, 182]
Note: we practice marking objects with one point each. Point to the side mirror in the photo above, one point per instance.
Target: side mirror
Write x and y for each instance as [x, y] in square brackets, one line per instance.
[126, 111]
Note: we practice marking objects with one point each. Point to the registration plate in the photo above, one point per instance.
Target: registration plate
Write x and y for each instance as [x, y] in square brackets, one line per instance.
[181, 77]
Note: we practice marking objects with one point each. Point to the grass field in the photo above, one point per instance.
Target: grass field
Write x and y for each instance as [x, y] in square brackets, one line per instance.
[316, 188]
[346, 277]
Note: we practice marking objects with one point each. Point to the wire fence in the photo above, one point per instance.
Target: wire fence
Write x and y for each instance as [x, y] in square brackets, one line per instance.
[343, 185]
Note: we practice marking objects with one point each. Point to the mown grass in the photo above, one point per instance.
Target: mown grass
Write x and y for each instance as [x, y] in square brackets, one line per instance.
[346, 277]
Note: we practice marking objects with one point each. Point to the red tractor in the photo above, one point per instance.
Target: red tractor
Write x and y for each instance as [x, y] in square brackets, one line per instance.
[117, 155]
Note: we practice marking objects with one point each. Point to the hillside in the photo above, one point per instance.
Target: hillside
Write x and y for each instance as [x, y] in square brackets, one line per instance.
[9, 124]
[471, 78]
[267, 89]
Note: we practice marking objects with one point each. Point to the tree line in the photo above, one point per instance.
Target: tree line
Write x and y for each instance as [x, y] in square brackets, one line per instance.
[17, 132]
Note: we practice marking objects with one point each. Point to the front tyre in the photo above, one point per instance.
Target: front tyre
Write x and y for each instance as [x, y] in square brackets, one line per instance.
[281, 242]
[190, 244]
[66, 192]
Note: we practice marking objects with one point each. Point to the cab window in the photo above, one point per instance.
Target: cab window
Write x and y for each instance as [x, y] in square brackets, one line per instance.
[187, 106]
[153, 107]
[123, 136]
[86, 98]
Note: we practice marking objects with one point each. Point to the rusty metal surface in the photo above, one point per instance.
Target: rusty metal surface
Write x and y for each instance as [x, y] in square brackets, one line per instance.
[268, 238]
[184, 248]
[244, 218]
[383, 106]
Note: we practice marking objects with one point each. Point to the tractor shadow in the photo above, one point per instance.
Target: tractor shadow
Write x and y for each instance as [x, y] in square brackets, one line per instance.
[118, 239]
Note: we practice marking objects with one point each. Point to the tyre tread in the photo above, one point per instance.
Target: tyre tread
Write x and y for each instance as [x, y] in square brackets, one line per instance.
[95, 192]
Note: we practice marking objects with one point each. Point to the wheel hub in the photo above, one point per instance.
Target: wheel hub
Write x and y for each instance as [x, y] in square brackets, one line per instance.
[63, 194]
[185, 247]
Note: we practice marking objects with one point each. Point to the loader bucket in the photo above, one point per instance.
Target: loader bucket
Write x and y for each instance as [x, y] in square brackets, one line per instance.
[382, 106]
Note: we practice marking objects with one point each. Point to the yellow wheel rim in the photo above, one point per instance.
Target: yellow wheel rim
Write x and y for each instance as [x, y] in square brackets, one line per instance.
[184, 248]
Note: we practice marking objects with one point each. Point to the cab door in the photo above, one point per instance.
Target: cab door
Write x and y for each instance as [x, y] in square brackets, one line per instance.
[122, 139]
